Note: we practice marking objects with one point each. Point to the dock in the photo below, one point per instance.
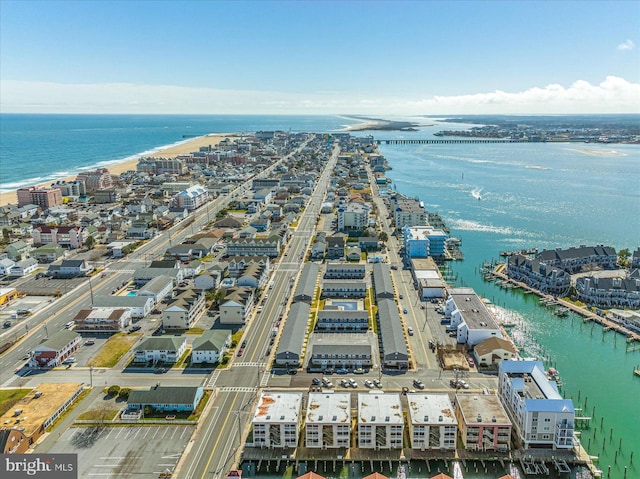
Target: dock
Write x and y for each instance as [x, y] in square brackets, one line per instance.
[566, 306]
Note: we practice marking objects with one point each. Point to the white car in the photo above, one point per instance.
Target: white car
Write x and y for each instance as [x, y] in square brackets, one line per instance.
[368, 383]
[353, 383]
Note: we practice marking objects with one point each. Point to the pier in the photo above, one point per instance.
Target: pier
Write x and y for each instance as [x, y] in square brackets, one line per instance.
[451, 141]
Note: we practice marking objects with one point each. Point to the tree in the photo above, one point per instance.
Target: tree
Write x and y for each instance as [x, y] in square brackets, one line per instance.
[90, 243]
[6, 234]
[124, 393]
[623, 257]
[383, 237]
[113, 390]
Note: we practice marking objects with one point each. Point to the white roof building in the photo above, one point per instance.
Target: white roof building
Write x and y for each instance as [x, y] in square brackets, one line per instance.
[432, 421]
[277, 419]
[328, 422]
[380, 421]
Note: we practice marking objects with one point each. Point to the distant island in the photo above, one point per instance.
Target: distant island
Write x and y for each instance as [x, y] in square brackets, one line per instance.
[582, 128]
[379, 124]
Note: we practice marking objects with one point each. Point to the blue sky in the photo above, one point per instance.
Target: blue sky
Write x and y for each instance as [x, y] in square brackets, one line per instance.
[320, 57]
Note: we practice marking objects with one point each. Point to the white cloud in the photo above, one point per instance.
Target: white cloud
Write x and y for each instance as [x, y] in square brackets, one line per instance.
[627, 45]
[613, 95]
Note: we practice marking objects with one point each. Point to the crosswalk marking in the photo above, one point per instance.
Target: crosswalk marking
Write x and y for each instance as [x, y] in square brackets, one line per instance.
[212, 380]
[265, 379]
[250, 364]
[238, 389]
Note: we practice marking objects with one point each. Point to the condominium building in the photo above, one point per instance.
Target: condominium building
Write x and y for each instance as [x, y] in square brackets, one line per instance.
[380, 421]
[541, 417]
[191, 198]
[96, 180]
[470, 315]
[423, 241]
[407, 212]
[432, 422]
[483, 422]
[277, 419]
[353, 216]
[43, 197]
[328, 421]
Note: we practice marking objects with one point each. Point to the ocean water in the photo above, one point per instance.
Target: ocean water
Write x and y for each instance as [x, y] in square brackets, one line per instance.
[40, 148]
[531, 195]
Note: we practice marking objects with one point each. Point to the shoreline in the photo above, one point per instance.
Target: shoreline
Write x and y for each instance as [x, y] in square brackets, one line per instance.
[171, 151]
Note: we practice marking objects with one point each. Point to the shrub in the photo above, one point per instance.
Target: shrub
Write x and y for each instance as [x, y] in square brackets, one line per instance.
[113, 390]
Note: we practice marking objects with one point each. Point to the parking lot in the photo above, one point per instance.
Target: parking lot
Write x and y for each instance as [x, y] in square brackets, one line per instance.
[135, 451]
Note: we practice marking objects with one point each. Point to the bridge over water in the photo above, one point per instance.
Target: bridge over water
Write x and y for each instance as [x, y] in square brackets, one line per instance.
[448, 141]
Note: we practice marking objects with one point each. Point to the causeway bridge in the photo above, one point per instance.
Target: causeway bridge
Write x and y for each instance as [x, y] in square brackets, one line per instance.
[448, 141]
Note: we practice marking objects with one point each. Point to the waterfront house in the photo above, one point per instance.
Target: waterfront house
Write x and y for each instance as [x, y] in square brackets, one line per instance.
[574, 260]
[423, 241]
[470, 316]
[541, 417]
[166, 349]
[55, 350]
[380, 421]
[609, 292]
[328, 421]
[428, 279]
[210, 346]
[277, 419]
[493, 350]
[102, 320]
[432, 422]
[537, 274]
[483, 422]
[166, 398]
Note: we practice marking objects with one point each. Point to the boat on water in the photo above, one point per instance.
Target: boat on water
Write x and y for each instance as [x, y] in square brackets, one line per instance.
[562, 312]
[508, 325]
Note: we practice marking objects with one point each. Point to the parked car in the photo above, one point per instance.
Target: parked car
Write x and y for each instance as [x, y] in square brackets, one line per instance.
[401, 296]
[404, 310]
[240, 351]
[244, 344]
[353, 383]
[326, 383]
[344, 383]
[69, 360]
[368, 383]
[315, 382]
[410, 331]
[358, 371]
[419, 384]
[463, 384]
[377, 383]
[89, 342]
[342, 371]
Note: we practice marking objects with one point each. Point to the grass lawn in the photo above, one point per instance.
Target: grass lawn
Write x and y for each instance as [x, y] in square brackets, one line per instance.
[115, 347]
[197, 331]
[183, 359]
[98, 414]
[8, 398]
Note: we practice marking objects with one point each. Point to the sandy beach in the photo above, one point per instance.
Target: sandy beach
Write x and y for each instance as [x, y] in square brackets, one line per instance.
[171, 152]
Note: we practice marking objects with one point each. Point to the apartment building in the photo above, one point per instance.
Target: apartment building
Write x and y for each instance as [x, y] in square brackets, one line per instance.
[328, 420]
[277, 419]
[541, 417]
[380, 421]
[483, 422]
[432, 422]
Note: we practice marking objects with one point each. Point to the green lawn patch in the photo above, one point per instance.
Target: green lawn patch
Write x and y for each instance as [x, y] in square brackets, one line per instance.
[183, 359]
[9, 397]
[115, 347]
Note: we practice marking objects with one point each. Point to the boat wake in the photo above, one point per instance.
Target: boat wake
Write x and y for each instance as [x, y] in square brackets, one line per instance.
[477, 193]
